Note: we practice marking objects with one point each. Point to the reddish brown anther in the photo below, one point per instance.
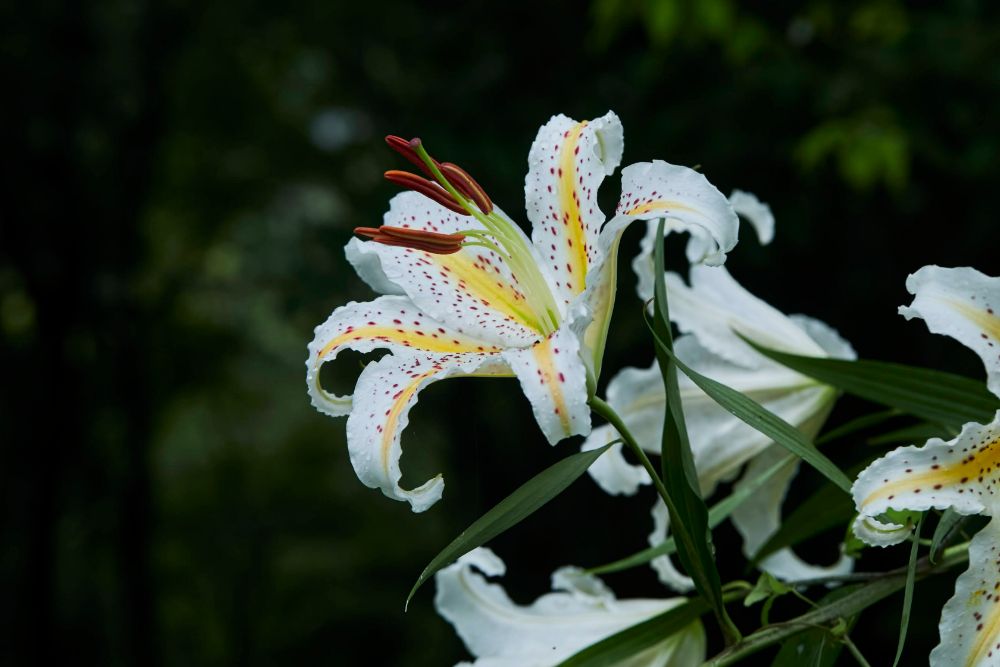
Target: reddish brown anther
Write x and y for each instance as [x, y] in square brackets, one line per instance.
[408, 149]
[418, 239]
[427, 188]
[467, 185]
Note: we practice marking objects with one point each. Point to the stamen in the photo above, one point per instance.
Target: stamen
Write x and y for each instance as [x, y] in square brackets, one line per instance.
[427, 188]
[408, 150]
[467, 185]
[419, 239]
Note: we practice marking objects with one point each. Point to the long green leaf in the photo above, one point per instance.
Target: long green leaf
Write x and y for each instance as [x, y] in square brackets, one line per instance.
[766, 422]
[818, 647]
[718, 513]
[619, 647]
[941, 397]
[688, 513]
[513, 509]
[857, 424]
[911, 573]
[914, 433]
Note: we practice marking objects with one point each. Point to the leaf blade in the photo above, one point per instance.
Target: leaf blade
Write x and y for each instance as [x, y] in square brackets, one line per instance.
[513, 509]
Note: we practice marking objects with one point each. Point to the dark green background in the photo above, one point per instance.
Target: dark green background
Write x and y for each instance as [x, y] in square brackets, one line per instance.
[180, 179]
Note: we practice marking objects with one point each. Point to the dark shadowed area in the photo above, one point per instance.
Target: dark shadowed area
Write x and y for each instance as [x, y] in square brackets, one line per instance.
[181, 179]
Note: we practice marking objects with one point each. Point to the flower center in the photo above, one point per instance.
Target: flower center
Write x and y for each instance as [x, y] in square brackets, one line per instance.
[453, 188]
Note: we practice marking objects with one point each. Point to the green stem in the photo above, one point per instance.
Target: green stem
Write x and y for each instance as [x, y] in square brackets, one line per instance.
[847, 606]
[608, 413]
[853, 649]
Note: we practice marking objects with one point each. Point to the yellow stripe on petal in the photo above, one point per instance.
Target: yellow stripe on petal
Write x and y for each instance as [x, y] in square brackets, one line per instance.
[430, 340]
[987, 627]
[489, 285]
[659, 205]
[569, 198]
[400, 400]
[552, 379]
[984, 318]
[977, 468]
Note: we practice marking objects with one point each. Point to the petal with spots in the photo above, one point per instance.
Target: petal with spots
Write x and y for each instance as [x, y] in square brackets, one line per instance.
[385, 392]
[388, 322]
[970, 620]
[472, 291]
[964, 304]
[759, 517]
[580, 611]
[688, 202]
[566, 165]
[554, 378]
[962, 474]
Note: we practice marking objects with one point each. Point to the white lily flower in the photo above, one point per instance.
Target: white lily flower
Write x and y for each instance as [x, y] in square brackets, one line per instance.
[581, 612]
[962, 474]
[467, 293]
[710, 311]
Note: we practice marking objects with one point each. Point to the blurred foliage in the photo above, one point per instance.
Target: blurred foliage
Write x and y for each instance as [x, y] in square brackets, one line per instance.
[183, 176]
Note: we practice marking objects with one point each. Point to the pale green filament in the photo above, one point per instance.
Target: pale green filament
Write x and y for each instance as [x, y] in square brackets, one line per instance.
[516, 251]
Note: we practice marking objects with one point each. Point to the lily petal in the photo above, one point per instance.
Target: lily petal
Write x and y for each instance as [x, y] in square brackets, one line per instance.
[615, 475]
[385, 392]
[566, 165]
[963, 474]
[581, 612]
[652, 190]
[759, 517]
[721, 443]
[756, 212]
[970, 620]
[877, 533]
[964, 304]
[664, 566]
[554, 378]
[473, 291]
[716, 307]
[389, 322]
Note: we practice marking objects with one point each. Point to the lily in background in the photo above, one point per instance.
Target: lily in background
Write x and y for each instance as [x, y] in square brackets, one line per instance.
[581, 611]
[962, 474]
[711, 312]
[468, 293]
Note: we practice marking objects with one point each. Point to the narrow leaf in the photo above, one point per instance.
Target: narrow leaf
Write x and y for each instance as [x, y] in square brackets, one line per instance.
[513, 509]
[718, 513]
[617, 648]
[764, 421]
[911, 573]
[857, 424]
[941, 397]
[688, 513]
[818, 647]
[913, 433]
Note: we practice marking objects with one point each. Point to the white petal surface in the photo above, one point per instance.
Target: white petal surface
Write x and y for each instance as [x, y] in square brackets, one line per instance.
[388, 322]
[964, 304]
[759, 517]
[566, 165]
[970, 620]
[472, 291]
[652, 190]
[756, 212]
[385, 392]
[664, 566]
[715, 307]
[720, 442]
[554, 378]
[611, 471]
[582, 611]
[876, 533]
[962, 474]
